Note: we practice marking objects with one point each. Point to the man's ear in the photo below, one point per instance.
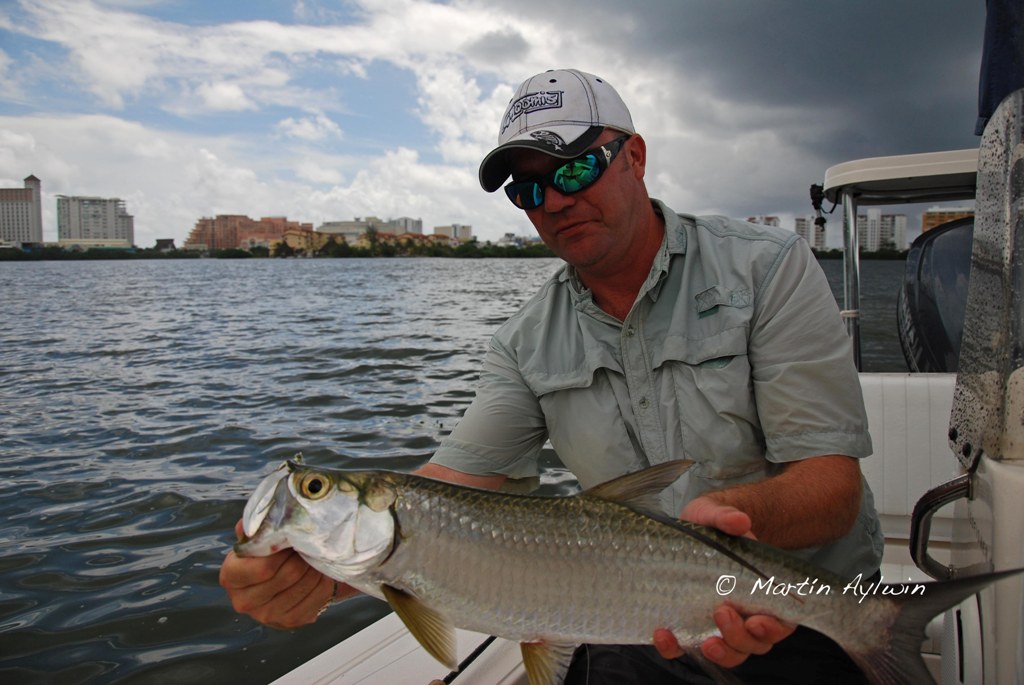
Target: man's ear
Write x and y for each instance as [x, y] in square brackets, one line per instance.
[636, 155]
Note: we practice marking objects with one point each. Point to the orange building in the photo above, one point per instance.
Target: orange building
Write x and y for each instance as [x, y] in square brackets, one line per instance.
[936, 216]
[304, 239]
[226, 231]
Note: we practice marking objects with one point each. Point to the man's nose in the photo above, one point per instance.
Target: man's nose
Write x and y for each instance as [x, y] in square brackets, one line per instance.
[555, 201]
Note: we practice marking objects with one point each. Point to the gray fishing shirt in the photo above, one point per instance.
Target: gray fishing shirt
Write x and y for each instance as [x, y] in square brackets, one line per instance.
[733, 355]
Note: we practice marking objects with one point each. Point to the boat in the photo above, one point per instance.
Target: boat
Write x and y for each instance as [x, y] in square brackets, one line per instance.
[941, 435]
[977, 326]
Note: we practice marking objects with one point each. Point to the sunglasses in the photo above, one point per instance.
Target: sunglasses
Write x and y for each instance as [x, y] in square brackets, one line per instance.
[572, 177]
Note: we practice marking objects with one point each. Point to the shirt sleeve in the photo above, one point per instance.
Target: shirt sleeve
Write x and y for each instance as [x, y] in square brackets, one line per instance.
[503, 429]
[805, 383]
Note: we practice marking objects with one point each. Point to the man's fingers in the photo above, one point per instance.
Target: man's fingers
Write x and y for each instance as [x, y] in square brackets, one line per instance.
[741, 638]
[666, 644]
[311, 595]
[768, 629]
[733, 521]
[278, 580]
[728, 519]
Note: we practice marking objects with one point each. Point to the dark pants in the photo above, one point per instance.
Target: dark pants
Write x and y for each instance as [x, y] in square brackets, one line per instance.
[804, 658]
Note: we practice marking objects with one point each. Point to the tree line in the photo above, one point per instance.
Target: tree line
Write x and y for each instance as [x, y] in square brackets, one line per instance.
[341, 249]
[332, 249]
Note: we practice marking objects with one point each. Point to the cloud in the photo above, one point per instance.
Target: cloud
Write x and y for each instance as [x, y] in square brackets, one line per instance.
[742, 106]
[495, 46]
[224, 97]
[311, 128]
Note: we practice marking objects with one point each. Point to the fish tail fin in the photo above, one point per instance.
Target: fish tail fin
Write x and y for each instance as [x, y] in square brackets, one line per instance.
[898, 661]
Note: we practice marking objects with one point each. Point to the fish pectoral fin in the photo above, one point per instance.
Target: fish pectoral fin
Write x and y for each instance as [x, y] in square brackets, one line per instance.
[546, 663]
[640, 489]
[432, 630]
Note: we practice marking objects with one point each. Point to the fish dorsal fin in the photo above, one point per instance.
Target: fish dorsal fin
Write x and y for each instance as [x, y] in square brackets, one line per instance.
[640, 489]
[546, 663]
[432, 630]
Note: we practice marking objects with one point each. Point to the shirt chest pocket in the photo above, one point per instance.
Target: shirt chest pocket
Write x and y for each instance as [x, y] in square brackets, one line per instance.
[708, 383]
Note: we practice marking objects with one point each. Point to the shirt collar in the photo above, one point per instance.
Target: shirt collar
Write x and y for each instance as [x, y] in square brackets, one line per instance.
[673, 243]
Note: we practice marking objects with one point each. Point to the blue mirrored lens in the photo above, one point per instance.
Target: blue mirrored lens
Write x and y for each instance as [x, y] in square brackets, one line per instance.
[526, 194]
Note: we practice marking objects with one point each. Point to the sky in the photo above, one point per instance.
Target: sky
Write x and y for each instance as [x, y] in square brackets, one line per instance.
[325, 110]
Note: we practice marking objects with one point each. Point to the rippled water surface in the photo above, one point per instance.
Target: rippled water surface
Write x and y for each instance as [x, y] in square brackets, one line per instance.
[143, 400]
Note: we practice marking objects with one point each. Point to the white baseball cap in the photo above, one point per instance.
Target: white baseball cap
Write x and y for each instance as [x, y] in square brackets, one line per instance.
[560, 113]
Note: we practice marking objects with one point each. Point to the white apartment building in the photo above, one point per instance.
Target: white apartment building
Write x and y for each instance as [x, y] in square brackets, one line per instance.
[93, 221]
[876, 230]
[404, 224]
[350, 231]
[764, 220]
[814, 236]
[353, 231]
[461, 232]
[21, 214]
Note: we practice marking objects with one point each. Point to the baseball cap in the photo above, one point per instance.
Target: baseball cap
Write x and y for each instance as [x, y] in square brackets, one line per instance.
[560, 113]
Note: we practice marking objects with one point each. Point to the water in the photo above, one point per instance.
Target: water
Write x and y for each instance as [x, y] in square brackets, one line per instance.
[142, 402]
[879, 287]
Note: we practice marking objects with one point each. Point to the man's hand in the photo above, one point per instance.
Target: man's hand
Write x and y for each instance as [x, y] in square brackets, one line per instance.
[739, 637]
[281, 590]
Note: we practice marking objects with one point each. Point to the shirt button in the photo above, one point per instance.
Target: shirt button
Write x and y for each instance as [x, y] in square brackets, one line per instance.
[644, 403]
[630, 332]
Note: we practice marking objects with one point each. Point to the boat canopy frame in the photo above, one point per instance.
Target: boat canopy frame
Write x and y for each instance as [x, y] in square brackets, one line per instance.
[899, 179]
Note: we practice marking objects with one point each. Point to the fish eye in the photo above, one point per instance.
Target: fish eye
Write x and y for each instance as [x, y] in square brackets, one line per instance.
[314, 486]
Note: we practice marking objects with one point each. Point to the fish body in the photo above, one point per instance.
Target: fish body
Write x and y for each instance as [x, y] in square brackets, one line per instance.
[556, 572]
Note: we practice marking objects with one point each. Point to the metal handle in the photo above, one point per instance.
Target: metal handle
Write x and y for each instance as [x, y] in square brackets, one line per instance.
[921, 524]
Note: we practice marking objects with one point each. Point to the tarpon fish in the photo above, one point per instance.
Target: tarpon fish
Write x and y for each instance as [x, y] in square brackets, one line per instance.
[552, 573]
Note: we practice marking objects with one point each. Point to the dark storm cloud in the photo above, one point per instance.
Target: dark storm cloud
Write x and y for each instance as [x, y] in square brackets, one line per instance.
[890, 76]
[770, 94]
[495, 46]
[883, 76]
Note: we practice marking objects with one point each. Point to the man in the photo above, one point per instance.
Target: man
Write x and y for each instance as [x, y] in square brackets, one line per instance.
[665, 336]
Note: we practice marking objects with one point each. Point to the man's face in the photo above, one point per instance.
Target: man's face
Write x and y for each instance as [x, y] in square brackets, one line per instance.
[594, 225]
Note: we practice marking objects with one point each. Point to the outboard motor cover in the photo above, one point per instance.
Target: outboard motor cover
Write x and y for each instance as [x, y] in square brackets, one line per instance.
[931, 302]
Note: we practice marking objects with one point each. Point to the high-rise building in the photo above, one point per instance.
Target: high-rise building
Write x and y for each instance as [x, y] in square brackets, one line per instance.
[461, 232]
[406, 224]
[814, 235]
[21, 213]
[876, 231]
[764, 220]
[89, 221]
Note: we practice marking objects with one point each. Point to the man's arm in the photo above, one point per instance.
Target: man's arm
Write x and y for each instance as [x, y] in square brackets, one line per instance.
[438, 472]
[812, 502]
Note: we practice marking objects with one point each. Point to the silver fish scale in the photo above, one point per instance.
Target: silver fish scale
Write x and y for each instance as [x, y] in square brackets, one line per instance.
[573, 569]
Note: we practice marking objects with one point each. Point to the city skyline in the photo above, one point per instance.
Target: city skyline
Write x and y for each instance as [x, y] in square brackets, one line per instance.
[105, 222]
[321, 110]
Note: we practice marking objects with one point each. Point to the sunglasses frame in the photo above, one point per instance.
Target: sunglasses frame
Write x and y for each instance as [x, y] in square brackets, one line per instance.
[603, 156]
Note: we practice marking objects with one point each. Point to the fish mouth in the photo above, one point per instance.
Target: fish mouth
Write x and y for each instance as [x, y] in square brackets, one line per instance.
[263, 514]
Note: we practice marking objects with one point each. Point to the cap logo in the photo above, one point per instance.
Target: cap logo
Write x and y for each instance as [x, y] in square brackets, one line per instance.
[531, 102]
[549, 138]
